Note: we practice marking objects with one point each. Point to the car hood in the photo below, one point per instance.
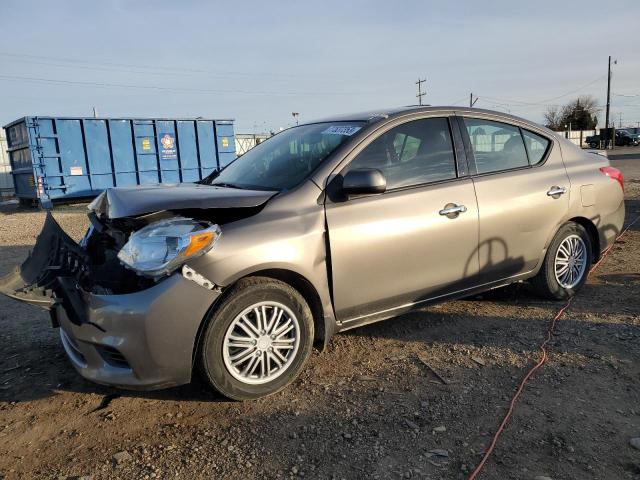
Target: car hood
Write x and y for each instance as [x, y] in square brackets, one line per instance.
[132, 201]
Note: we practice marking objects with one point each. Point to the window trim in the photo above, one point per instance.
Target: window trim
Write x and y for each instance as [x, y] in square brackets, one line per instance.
[471, 155]
[449, 118]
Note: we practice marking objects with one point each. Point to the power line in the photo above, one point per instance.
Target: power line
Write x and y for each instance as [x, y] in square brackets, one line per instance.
[457, 101]
[169, 89]
[182, 70]
[544, 103]
[129, 70]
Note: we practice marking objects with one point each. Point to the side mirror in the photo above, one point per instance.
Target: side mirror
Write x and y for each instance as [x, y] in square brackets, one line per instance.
[364, 181]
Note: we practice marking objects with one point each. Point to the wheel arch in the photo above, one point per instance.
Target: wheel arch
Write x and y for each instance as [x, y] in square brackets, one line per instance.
[323, 323]
[592, 231]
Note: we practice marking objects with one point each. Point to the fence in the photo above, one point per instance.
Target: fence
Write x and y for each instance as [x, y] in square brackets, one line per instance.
[578, 137]
[246, 141]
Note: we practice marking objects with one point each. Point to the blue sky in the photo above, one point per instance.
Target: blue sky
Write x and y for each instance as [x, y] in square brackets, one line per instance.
[259, 61]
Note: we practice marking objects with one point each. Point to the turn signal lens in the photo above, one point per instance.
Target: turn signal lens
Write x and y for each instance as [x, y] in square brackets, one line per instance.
[198, 242]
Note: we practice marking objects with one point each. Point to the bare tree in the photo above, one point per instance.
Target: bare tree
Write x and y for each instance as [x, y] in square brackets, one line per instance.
[580, 114]
[553, 118]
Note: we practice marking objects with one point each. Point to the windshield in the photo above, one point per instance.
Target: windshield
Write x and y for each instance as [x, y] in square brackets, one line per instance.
[286, 159]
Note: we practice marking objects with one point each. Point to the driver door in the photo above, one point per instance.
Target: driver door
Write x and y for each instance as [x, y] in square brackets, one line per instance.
[397, 249]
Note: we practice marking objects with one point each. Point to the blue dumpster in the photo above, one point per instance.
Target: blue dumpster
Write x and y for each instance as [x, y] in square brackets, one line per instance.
[64, 158]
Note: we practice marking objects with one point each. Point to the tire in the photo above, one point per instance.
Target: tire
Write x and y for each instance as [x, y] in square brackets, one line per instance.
[593, 145]
[546, 282]
[228, 335]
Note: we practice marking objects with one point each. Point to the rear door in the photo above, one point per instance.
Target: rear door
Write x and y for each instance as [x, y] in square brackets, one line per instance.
[522, 190]
[400, 248]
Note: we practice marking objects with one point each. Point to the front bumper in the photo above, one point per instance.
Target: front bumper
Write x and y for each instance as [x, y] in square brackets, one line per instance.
[143, 340]
[139, 340]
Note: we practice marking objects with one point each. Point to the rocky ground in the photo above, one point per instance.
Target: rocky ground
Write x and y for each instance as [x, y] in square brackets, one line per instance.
[415, 397]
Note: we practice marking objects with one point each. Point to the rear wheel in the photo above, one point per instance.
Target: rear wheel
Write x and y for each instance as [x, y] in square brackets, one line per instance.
[257, 340]
[593, 145]
[566, 264]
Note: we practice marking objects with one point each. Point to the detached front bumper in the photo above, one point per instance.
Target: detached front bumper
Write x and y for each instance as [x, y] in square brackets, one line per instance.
[140, 340]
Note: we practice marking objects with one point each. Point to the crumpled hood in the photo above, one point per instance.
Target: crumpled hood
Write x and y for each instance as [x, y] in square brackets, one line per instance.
[131, 201]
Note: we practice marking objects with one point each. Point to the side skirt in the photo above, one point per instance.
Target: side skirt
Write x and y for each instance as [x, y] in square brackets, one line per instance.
[408, 307]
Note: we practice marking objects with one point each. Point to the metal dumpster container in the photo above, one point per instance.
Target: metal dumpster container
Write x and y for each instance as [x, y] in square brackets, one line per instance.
[6, 182]
[55, 158]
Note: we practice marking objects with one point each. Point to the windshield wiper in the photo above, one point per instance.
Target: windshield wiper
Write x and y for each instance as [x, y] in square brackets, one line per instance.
[227, 185]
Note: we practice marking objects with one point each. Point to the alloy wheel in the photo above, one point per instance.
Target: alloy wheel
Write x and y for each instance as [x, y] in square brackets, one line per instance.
[261, 342]
[571, 261]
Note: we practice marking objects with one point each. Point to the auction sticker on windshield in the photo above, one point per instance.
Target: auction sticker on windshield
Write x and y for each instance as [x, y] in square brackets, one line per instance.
[341, 130]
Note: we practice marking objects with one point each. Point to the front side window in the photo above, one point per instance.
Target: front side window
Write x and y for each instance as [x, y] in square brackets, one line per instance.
[496, 146]
[286, 159]
[410, 154]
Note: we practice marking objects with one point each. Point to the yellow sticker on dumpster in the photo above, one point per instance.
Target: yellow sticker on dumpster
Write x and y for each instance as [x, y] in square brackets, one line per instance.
[225, 142]
[146, 144]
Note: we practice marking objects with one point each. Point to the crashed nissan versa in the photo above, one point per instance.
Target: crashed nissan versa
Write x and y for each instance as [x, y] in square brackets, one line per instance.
[324, 227]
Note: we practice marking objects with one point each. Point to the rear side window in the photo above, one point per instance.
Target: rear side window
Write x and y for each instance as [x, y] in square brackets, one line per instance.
[496, 146]
[410, 154]
[536, 145]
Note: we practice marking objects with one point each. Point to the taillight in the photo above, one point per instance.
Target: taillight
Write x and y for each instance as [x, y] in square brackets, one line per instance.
[615, 174]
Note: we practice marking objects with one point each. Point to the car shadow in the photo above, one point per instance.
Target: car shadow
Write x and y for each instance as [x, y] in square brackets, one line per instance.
[41, 369]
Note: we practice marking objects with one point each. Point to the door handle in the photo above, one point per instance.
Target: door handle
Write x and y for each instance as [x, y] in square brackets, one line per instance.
[452, 210]
[556, 191]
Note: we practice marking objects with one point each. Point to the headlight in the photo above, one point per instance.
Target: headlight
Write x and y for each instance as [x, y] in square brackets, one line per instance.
[161, 247]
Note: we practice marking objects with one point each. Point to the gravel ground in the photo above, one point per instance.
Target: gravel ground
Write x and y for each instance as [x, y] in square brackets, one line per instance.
[366, 407]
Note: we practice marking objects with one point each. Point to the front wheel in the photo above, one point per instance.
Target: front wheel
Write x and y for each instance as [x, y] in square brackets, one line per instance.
[257, 340]
[566, 264]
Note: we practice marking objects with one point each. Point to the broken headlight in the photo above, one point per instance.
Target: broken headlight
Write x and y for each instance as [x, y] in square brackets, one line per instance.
[161, 247]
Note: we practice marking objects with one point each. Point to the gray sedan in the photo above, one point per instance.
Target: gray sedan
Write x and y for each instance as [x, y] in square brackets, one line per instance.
[324, 227]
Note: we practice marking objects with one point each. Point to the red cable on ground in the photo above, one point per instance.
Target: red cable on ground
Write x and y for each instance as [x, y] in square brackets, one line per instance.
[541, 362]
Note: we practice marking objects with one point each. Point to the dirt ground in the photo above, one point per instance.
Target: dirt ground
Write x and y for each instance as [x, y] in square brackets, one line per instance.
[366, 407]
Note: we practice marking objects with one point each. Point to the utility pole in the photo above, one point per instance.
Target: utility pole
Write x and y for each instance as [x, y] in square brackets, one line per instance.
[608, 101]
[420, 92]
[620, 121]
[295, 115]
[95, 112]
[472, 102]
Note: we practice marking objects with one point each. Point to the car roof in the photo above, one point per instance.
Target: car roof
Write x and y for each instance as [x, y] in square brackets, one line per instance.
[372, 116]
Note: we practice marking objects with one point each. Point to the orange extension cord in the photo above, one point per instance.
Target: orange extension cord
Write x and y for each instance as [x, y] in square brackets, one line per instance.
[541, 362]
